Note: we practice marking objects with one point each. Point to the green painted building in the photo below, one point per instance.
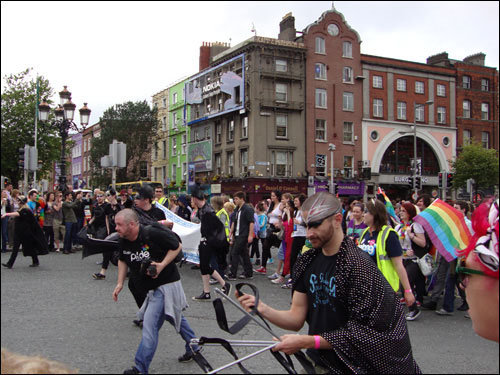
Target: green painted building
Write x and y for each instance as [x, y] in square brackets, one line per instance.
[178, 136]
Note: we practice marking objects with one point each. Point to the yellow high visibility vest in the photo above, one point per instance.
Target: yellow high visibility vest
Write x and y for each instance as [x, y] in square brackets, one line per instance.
[384, 262]
[223, 212]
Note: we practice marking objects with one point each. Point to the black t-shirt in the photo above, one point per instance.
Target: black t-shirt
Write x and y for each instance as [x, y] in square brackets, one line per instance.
[369, 245]
[99, 214]
[155, 248]
[324, 311]
[156, 214]
[111, 211]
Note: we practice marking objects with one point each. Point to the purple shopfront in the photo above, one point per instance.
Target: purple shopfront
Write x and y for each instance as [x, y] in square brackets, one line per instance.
[343, 189]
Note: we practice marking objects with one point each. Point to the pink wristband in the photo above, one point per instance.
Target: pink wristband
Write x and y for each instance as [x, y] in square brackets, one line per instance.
[317, 342]
[408, 290]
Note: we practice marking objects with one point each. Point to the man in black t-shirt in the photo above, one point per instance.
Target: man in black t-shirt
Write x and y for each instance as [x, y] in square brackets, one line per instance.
[161, 281]
[356, 323]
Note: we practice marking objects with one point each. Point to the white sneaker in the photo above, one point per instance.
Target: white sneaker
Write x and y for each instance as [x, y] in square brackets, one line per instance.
[273, 276]
[279, 280]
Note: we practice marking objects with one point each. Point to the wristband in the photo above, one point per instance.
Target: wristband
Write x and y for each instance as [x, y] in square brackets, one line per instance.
[317, 342]
[407, 290]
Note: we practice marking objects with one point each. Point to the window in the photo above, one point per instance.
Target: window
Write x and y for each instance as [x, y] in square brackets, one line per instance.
[347, 74]
[184, 170]
[281, 66]
[84, 145]
[419, 87]
[174, 120]
[485, 84]
[244, 127]
[281, 91]
[467, 137]
[184, 144]
[320, 45]
[377, 82]
[485, 139]
[164, 123]
[196, 135]
[230, 163]
[466, 109]
[420, 113]
[174, 98]
[348, 161]
[466, 82]
[164, 149]
[174, 172]
[347, 49]
[348, 101]
[321, 130]
[143, 170]
[401, 111]
[378, 108]
[230, 130]
[220, 104]
[320, 98]
[218, 164]
[441, 90]
[164, 102]
[348, 132]
[441, 115]
[401, 84]
[207, 132]
[281, 126]
[485, 111]
[218, 133]
[319, 71]
[174, 146]
[244, 161]
[282, 163]
[320, 165]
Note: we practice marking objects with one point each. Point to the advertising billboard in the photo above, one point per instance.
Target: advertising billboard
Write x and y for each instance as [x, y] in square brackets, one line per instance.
[216, 91]
[200, 156]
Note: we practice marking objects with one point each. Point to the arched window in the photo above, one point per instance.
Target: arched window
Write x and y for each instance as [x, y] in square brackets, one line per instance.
[397, 158]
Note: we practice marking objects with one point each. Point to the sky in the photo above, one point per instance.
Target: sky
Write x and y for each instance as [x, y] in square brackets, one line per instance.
[109, 53]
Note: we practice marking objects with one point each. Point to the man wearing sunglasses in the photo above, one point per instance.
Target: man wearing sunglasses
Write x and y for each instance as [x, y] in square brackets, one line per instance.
[356, 323]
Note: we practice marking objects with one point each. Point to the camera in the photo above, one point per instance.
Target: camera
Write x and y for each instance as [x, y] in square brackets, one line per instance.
[147, 267]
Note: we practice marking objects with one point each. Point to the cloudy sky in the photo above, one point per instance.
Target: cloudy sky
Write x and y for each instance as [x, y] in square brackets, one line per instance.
[111, 52]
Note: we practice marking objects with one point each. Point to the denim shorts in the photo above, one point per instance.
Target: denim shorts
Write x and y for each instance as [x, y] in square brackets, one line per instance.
[281, 253]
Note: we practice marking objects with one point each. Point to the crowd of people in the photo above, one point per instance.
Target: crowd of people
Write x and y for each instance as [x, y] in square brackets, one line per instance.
[319, 243]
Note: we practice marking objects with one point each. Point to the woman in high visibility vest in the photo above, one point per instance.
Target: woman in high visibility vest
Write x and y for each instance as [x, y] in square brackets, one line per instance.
[381, 243]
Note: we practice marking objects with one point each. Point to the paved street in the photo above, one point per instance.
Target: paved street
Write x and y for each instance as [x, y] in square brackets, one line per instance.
[59, 311]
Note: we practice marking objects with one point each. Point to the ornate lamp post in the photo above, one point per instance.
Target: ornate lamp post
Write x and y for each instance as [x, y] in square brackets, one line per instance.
[64, 114]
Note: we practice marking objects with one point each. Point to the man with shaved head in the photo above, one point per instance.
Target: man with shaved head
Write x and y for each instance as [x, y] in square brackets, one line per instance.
[149, 253]
[356, 323]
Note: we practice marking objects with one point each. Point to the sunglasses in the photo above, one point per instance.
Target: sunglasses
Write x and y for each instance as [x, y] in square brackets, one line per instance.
[462, 271]
[317, 223]
[100, 196]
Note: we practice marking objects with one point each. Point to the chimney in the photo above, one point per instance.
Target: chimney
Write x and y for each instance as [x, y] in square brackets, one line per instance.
[204, 56]
[287, 28]
[476, 59]
[441, 59]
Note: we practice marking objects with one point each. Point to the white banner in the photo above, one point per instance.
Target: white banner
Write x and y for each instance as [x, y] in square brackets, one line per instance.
[189, 233]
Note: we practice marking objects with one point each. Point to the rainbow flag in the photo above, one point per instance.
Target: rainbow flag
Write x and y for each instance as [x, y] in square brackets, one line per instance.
[389, 207]
[446, 228]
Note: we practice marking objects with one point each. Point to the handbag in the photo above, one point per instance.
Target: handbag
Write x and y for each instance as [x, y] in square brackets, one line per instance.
[426, 264]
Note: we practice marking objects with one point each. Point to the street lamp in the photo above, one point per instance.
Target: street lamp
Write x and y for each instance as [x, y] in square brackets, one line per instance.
[64, 114]
[414, 168]
[331, 148]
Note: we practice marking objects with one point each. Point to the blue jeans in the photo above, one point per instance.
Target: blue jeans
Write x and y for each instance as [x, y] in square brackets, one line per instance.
[153, 321]
[69, 236]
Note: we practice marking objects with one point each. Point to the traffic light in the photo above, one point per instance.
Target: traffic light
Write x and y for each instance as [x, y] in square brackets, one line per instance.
[418, 182]
[440, 180]
[410, 181]
[24, 157]
[449, 180]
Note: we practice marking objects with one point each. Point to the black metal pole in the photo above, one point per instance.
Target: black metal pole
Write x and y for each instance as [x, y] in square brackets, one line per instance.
[62, 167]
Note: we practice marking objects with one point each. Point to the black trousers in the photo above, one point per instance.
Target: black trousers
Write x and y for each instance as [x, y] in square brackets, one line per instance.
[297, 245]
[15, 250]
[416, 279]
[240, 250]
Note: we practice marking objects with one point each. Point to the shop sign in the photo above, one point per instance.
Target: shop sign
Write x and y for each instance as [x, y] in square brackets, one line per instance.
[404, 179]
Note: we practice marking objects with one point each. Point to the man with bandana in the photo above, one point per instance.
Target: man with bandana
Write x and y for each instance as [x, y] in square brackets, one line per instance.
[356, 323]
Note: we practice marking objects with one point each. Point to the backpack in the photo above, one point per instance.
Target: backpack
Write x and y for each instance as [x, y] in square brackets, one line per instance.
[147, 231]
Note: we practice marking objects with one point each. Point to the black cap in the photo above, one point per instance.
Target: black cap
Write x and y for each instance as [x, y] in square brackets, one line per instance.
[196, 192]
[145, 192]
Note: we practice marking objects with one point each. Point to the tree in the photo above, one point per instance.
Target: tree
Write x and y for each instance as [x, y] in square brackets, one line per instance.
[135, 125]
[478, 163]
[19, 101]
